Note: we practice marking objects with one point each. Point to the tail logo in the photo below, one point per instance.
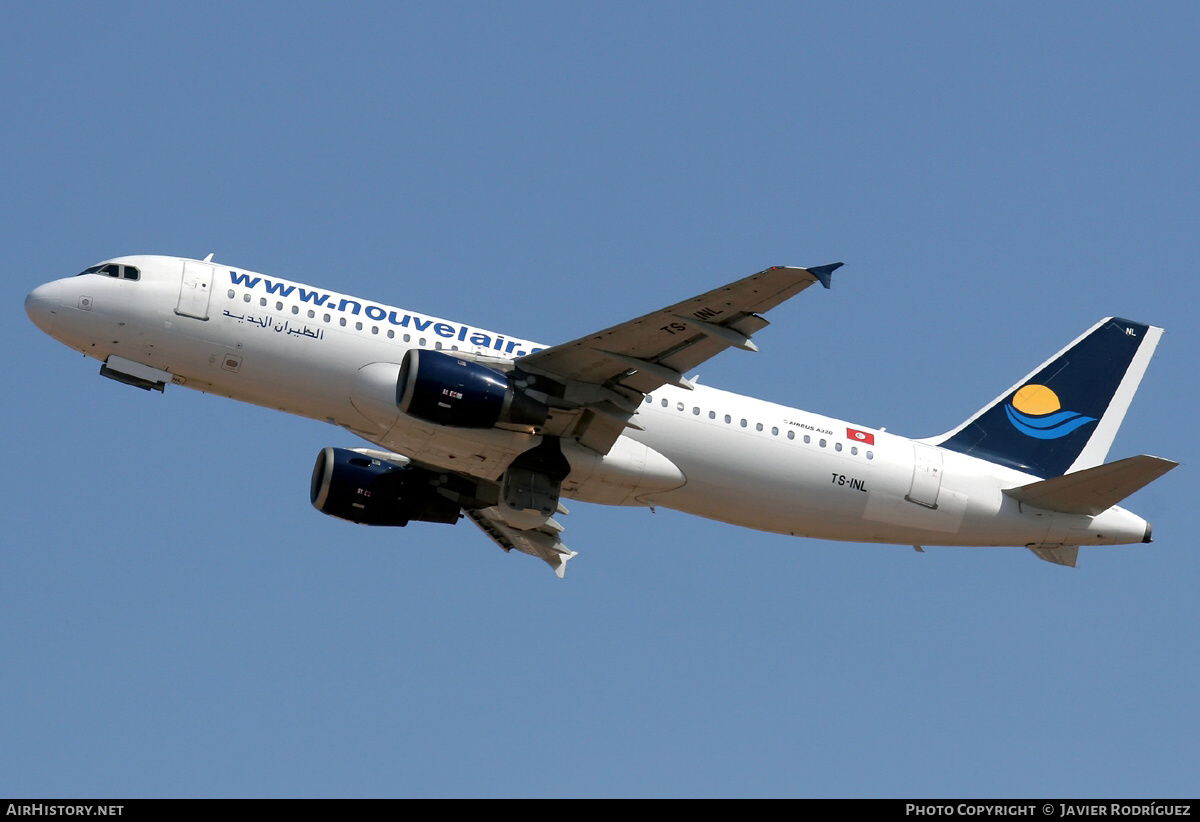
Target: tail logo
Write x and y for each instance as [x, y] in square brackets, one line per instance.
[1036, 412]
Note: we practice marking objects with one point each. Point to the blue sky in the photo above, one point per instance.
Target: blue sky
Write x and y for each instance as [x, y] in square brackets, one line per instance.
[175, 618]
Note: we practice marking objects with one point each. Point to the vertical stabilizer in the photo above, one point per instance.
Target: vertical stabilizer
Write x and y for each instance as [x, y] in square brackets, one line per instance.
[1063, 416]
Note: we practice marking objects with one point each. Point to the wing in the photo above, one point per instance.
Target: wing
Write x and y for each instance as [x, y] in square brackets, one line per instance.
[604, 376]
[542, 542]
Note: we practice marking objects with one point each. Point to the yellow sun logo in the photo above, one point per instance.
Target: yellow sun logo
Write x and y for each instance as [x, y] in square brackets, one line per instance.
[1036, 399]
[1036, 411]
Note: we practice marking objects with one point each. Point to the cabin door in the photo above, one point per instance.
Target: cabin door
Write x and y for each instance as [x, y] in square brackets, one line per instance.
[927, 475]
[195, 290]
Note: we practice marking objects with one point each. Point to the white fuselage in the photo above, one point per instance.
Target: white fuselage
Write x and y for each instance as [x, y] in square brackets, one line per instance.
[720, 455]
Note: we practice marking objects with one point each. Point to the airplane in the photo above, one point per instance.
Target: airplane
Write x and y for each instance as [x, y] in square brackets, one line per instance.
[466, 422]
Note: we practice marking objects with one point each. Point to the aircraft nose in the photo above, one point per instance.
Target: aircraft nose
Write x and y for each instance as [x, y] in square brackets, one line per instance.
[42, 305]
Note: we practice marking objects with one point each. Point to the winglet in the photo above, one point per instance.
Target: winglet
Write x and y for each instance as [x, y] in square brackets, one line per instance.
[824, 273]
[561, 569]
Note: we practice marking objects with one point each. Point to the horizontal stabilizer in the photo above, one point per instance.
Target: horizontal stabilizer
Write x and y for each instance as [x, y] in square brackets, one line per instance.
[1093, 490]
[1058, 554]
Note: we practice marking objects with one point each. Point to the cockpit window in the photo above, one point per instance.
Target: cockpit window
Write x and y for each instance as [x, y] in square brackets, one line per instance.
[122, 272]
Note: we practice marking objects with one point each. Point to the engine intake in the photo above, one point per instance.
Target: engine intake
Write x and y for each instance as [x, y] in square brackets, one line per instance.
[443, 389]
[361, 488]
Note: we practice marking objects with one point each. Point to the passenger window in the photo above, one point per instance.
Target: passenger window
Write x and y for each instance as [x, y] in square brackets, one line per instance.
[295, 309]
[279, 306]
[758, 427]
[822, 443]
[743, 422]
[246, 298]
[712, 415]
[837, 446]
[678, 406]
[342, 322]
[649, 399]
[791, 435]
[230, 292]
[438, 345]
[696, 410]
[358, 326]
[311, 313]
[870, 455]
[774, 431]
[326, 318]
[807, 439]
[391, 334]
[728, 419]
[664, 402]
[374, 329]
[262, 301]
[853, 450]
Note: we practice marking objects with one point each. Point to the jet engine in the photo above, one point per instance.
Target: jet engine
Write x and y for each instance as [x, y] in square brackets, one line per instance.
[362, 488]
[443, 389]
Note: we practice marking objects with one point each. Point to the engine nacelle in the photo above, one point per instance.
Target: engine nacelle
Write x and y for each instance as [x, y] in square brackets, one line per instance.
[371, 491]
[443, 389]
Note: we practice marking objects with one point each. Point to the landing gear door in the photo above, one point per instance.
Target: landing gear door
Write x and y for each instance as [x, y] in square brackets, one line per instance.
[195, 290]
[927, 475]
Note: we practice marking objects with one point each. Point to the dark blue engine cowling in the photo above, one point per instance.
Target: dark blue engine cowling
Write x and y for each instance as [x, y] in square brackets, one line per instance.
[359, 488]
[443, 389]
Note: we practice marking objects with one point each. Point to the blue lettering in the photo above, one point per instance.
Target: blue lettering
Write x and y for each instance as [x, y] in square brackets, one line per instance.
[314, 297]
[278, 288]
[463, 333]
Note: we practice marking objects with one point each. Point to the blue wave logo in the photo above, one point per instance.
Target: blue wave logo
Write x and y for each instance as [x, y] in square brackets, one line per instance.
[1036, 412]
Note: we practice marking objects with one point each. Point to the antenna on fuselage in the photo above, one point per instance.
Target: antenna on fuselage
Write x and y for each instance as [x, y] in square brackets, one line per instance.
[208, 259]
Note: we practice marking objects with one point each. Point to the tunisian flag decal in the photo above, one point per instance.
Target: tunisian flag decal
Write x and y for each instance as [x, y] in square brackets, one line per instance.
[860, 436]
